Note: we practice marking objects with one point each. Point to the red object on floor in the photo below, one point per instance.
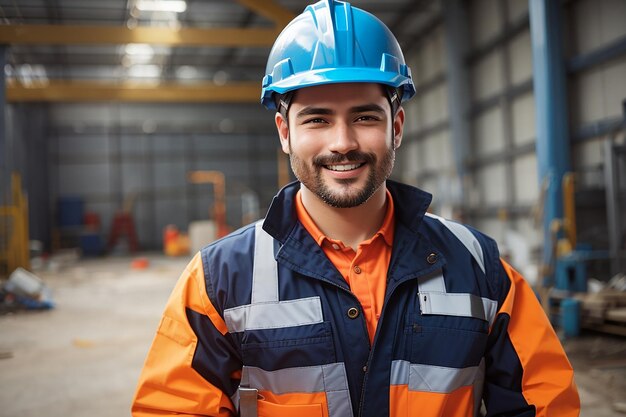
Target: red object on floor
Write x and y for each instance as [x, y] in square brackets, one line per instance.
[123, 225]
[140, 263]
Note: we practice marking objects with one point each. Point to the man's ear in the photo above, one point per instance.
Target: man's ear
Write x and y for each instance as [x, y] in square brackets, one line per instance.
[398, 127]
[283, 131]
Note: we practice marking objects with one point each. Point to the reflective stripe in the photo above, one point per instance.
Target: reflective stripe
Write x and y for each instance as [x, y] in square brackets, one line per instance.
[264, 273]
[434, 299]
[466, 237]
[432, 283]
[265, 310]
[479, 382]
[429, 378]
[330, 379]
[458, 304]
[289, 313]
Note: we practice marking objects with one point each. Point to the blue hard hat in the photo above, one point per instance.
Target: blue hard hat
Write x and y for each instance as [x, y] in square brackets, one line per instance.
[333, 42]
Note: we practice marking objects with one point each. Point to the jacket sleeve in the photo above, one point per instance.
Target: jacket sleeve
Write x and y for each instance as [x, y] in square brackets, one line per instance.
[527, 371]
[192, 366]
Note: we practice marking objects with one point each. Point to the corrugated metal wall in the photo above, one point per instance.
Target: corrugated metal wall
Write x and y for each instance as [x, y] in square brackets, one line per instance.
[502, 184]
[111, 154]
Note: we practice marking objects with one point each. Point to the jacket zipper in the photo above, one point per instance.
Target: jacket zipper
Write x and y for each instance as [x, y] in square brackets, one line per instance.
[371, 354]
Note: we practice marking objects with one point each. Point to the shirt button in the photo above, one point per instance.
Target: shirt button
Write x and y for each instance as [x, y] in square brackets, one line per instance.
[357, 270]
[365, 368]
[353, 312]
[432, 258]
[335, 246]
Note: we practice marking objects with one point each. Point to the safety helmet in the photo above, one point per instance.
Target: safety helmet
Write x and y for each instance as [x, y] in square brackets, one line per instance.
[333, 42]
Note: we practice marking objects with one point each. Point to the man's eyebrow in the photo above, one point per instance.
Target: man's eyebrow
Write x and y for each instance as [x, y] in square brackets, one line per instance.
[373, 107]
[310, 110]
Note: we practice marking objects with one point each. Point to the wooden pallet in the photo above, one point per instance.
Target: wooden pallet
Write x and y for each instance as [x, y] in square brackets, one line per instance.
[604, 311]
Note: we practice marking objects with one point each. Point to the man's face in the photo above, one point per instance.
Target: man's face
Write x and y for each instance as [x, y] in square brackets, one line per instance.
[341, 141]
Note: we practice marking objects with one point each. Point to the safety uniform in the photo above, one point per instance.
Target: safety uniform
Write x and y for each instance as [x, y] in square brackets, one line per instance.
[261, 322]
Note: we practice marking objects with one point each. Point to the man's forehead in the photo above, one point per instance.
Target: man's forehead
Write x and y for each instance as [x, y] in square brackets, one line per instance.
[340, 93]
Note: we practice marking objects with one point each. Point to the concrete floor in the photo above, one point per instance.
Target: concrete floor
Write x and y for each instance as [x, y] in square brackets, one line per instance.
[83, 357]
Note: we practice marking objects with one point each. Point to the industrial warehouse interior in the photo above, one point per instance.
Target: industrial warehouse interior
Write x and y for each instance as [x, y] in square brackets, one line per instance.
[133, 136]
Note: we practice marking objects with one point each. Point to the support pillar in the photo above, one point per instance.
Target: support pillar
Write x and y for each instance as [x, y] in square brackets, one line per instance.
[456, 38]
[553, 145]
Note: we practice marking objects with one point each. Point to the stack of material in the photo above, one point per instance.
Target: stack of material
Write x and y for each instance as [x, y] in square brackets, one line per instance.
[25, 290]
[605, 310]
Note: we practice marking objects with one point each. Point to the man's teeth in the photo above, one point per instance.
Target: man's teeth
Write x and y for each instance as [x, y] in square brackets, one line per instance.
[343, 167]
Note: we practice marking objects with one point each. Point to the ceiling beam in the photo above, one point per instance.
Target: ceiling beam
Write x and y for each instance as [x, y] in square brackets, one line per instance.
[271, 10]
[133, 91]
[111, 35]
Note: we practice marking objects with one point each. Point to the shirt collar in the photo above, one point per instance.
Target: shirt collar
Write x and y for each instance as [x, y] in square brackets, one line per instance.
[386, 230]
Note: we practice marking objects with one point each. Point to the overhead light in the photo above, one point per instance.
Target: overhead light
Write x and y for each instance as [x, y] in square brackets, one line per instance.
[186, 72]
[137, 53]
[177, 6]
[144, 71]
[30, 75]
[221, 77]
[141, 49]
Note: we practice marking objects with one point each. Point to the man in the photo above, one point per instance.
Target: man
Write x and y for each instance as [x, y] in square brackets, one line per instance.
[349, 300]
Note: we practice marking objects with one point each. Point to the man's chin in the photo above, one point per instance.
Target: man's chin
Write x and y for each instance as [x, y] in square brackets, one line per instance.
[345, 196]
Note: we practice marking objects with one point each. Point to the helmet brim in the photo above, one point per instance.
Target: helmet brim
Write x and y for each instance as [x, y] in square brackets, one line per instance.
[335, 76]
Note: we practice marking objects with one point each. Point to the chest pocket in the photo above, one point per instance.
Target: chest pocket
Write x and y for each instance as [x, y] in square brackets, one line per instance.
[450, 329]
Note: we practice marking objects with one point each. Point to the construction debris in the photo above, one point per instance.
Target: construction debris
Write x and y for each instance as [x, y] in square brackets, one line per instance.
[605, 310]
[25, 290]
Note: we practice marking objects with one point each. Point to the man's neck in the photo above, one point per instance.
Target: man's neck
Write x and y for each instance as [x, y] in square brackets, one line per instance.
[350, 225]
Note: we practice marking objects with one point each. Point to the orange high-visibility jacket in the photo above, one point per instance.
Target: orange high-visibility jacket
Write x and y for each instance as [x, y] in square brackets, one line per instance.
[261, 323]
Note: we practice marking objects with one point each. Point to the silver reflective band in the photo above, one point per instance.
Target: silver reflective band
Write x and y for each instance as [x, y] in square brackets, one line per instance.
[429, 378]
[434, 299]
[277, 315]
[453, 304]
[479, 383]
[432, 283]
[265, 310]
[264, 273]
[330, 379]
[466, 237]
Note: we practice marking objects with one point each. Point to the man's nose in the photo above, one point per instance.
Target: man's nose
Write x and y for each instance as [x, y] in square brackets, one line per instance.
[344, 139]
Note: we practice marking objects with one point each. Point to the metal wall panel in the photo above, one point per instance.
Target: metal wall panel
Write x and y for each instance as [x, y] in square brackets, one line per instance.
[526, 187]
[123, 162]
[489, 132]
[485, 22]
[492, 183]
[523, 119]
[595, 23]
[521, 58]
[487, 76]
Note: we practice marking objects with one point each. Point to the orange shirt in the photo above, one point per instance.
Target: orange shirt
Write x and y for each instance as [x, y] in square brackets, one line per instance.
[365, 269]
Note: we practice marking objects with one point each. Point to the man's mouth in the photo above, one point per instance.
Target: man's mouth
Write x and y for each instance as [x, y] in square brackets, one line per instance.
[344, 167]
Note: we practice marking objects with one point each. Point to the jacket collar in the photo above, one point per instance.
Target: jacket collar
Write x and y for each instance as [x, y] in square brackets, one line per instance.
[410, 206]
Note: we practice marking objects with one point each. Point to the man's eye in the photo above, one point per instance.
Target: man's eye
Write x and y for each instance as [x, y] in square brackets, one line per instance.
[366, 118]
[315, 120]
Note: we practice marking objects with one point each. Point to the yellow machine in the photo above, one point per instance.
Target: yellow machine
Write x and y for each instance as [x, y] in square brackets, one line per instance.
[14, 230]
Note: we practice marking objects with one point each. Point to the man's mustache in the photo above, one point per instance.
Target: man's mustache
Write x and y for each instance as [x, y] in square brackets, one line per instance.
[352, 156]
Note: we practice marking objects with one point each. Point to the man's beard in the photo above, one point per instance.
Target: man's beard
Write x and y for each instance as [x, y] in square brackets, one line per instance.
[348, 195]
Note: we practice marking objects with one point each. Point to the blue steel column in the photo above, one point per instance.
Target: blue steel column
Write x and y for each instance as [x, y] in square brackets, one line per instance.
[549, 79]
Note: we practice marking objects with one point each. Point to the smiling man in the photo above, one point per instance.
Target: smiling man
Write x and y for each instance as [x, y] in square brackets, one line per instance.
[348, 299]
